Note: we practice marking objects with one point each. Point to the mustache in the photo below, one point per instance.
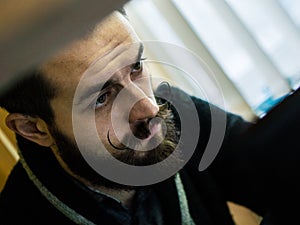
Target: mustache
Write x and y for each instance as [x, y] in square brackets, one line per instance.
[114, 146]
[164, 145]
[141, 130]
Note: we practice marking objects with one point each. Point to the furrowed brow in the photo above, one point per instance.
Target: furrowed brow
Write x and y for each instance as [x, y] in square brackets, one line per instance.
[96, 87]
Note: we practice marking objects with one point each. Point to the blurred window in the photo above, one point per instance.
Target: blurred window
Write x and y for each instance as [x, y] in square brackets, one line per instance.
[255, 43]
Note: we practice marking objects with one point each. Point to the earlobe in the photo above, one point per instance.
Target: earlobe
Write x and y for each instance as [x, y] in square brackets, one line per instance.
[31, 128]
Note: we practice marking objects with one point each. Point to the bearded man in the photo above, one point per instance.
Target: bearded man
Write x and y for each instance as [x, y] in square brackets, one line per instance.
[54, 183]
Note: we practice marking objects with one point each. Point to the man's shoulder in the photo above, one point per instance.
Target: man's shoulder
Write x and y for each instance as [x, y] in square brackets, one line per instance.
[16, 183]
[18, 193]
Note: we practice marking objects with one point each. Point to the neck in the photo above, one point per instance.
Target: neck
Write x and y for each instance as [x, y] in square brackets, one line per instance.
[125, 196]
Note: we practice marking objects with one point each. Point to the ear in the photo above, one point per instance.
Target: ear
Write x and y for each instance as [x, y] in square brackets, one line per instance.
[31, 128]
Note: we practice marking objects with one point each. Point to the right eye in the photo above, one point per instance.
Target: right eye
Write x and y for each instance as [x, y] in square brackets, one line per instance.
[137, 67]
[101, 100]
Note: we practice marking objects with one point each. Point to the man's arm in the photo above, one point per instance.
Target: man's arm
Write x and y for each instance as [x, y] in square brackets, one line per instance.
[258, 166]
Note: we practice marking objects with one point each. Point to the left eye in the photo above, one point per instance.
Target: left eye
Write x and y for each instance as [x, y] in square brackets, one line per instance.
[137, 67]
[101, 100]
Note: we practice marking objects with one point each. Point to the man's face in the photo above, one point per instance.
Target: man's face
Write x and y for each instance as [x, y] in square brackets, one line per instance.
[112, 55]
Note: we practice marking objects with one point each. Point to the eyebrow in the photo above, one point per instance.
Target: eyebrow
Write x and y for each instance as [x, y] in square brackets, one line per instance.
[95, 88]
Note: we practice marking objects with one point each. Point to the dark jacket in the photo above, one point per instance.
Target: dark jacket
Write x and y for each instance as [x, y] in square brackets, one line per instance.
[232, 177]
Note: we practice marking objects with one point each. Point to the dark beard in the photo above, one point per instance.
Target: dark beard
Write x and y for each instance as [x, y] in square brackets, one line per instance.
[70, 154]
[157, 154]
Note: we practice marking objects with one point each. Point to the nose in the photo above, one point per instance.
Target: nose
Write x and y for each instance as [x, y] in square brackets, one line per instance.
[145, 108]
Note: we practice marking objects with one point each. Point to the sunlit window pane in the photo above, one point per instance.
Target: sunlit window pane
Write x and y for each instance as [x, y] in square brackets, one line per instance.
[292, 8]
[274, 33]
[229, 50]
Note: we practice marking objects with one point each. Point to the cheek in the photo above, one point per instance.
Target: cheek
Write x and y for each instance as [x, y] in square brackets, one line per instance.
[64, 125]
[103, 124]
[114, 126]
[146, 82]
[63, 118]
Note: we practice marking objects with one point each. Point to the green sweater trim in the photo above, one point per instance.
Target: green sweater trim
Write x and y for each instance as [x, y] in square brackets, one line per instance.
[184, 208]
[63, 208]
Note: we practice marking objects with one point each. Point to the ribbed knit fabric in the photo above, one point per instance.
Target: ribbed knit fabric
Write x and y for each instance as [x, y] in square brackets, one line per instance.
[79, 219]
[63, 208]
[184, 208]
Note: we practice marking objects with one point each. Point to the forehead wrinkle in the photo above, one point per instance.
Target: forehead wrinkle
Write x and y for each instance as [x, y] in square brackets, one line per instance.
[77, 59]
[113, 61]
[67, 67]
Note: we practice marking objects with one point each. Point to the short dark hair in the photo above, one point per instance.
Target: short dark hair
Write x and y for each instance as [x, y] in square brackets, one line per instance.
[30, 96]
